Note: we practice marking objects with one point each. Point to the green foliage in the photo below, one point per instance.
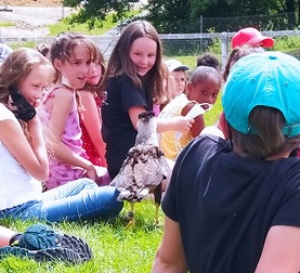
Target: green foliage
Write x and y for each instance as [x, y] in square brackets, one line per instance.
[71, 3]
[215, 44]
[94, 10]
[169, 16]
[287, 43]
[92, 27]
[182, 16]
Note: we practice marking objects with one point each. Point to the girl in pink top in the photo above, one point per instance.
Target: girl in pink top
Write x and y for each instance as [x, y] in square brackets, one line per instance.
[71, 55]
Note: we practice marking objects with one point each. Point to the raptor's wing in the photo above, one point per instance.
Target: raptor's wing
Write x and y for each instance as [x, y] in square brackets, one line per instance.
[142, 171]
[124, 179]
[151, 167]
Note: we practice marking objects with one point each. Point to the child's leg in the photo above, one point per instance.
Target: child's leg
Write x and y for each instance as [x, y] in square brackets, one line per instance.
[69, 189]
[80, 200]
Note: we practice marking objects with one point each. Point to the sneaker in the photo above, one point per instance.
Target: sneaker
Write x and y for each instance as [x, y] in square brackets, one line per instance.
[42, 255]
[39, 236]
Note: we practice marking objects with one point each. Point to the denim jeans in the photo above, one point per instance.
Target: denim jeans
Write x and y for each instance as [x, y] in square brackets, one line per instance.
[81, 199]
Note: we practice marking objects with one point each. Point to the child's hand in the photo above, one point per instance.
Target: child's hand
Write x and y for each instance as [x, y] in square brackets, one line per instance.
[92, 173]
[183, 123]
[11, 105]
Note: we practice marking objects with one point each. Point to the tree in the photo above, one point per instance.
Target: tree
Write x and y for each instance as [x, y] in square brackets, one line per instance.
[98, 9]
[184, 16]
[169, 16]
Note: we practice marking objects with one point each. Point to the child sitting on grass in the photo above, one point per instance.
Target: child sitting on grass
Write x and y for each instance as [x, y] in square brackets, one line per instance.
[202, 89]
[23, 155]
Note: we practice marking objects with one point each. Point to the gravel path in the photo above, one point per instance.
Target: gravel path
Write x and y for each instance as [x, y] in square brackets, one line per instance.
[31, 21]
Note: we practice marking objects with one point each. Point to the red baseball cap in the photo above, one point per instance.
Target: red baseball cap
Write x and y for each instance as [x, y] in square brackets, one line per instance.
[250, 36]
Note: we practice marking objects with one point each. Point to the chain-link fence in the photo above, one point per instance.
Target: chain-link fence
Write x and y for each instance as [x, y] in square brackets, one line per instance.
[201, 24]
[281, 21]
[183, 46]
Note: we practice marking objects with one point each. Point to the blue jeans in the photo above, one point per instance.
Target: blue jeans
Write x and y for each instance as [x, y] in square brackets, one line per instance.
[81, 199]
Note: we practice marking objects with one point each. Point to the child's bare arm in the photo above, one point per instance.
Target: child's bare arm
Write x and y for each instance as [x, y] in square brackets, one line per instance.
[32, 156]
[62, 103]
[181, 124]
[92, 122]
[199, 123]
[281, 251]
[170, 256]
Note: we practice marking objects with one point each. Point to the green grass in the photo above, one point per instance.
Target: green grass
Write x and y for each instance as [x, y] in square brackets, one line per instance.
[28, 44]
[211, 117]
[189, 60]
[6, 24]
[115, 247]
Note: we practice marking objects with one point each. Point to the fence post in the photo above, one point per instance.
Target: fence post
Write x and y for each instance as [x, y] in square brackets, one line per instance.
[201, 31]
[62, 9]
[224, 49]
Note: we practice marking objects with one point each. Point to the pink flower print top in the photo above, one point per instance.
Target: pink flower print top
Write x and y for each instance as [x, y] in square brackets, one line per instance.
[61, 173]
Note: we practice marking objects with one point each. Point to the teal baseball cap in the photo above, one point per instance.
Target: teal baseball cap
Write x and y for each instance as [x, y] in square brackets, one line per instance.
[269, 79]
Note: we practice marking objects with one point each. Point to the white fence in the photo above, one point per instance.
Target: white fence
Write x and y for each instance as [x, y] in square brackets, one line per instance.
[106, 43]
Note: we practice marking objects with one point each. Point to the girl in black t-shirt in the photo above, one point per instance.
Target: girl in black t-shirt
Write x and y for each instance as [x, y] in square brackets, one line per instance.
[133, 83]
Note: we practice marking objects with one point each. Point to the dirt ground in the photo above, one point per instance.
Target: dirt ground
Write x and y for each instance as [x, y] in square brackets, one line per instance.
[30, 3]
[30, 21]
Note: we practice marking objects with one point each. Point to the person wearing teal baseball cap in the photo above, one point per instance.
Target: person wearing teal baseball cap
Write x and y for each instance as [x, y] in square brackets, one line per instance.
[275, 83]
[232, 205]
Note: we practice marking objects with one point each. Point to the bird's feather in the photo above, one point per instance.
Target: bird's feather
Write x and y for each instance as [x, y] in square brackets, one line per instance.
[145, 165]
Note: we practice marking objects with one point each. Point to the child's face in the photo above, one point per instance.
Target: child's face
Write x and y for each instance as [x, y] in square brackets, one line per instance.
[77, 68]
[95, 74]
[33, 86]
[180, 81]
[205, 91]
[143, 54]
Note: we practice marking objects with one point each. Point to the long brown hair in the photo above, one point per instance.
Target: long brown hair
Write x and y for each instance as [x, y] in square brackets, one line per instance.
[121, 64]
[63, 45]
[17, 66]
[99, 59]
[15, 69]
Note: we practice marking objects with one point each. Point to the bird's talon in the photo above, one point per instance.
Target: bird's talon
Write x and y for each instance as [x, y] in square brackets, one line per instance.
[130, 224]
[130, 215]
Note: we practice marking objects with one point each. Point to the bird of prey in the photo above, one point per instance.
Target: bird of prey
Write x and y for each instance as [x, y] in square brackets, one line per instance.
[144, 168]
